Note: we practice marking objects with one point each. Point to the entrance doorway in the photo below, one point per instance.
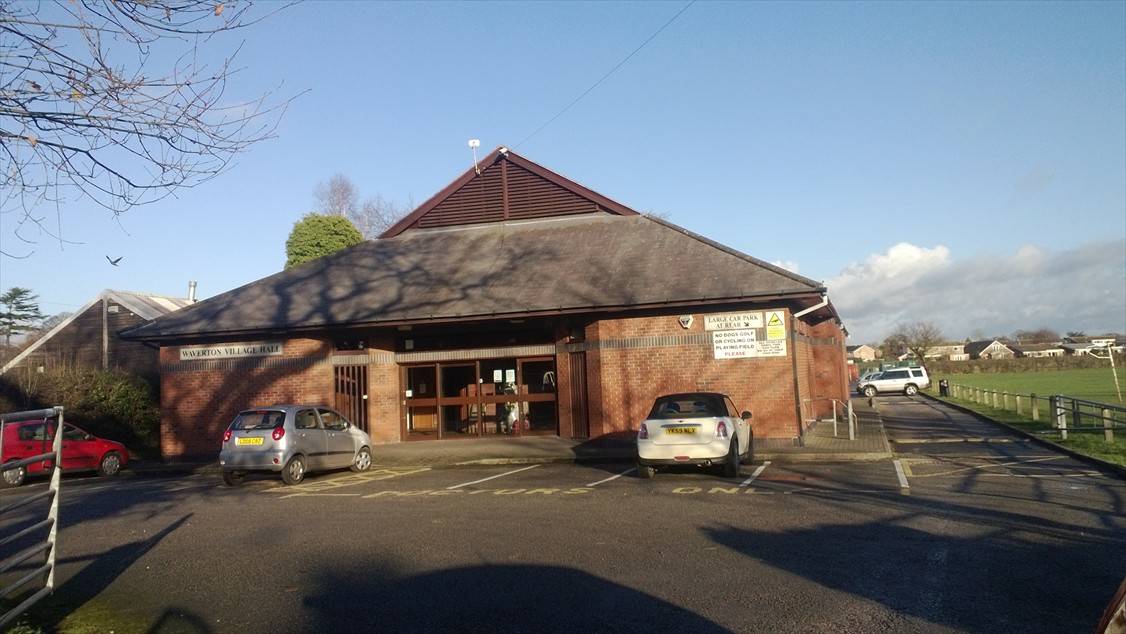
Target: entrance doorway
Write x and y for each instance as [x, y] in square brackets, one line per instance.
[493, 397]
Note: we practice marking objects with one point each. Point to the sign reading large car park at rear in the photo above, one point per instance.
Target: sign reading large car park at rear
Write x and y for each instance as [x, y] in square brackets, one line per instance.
[232, 351]
[733, 321]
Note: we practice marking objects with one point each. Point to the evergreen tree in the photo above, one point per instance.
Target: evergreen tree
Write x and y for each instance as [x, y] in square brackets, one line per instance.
[316, 236]
[18, 312]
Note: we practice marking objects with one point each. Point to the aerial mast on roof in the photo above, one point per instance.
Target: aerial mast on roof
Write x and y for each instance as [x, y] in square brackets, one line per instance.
[473, 145]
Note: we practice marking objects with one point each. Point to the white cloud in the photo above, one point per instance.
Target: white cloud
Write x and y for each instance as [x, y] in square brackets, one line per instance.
[789, 265]
[1083, 288]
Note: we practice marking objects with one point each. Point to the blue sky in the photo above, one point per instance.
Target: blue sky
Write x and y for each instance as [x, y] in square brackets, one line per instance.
[816, 135]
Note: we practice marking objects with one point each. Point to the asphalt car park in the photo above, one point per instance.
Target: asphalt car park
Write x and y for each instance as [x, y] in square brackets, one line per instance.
[953, 534]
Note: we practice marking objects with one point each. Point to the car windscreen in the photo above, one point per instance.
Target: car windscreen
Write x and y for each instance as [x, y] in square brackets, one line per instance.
[259, 419]
[688, 406]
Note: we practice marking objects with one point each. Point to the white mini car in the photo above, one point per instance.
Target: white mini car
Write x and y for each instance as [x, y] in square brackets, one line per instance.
[700, 428]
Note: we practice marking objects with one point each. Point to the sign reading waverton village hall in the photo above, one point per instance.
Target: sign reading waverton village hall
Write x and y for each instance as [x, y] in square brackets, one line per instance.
[232, 350]
[743, 335]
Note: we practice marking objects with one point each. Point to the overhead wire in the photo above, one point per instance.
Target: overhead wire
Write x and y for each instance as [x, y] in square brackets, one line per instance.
[607, 75]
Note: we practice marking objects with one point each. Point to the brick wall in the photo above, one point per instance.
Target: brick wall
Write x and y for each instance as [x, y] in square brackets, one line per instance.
[384, 416]
[629, 379]
[197, 404]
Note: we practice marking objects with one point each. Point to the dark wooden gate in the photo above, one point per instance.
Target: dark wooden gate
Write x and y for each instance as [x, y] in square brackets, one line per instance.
[580, 423]
[351, 393]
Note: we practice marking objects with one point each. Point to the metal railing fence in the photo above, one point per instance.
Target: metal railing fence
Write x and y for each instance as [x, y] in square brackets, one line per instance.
[48, 545]
[1063, 414]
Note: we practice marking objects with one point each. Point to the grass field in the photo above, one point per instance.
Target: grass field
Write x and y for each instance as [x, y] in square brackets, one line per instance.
[1095, 384]
[1089, 384]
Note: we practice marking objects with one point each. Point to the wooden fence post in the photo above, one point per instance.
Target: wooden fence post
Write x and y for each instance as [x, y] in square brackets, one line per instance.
[1020, 408]
[995, 400]
[1108, 426]
[1005, 398]
[1035, 408]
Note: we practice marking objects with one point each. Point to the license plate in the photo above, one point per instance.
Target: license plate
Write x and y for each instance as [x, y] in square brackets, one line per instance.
[680, 430]
[251, 440]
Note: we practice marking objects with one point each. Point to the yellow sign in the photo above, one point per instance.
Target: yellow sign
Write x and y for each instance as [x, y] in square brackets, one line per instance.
[775, 325]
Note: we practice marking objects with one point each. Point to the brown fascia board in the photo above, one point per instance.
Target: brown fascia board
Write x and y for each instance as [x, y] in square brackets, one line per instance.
[448, 319]
[490, 160]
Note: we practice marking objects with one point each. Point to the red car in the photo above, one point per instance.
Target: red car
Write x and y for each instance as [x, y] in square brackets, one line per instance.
[81, 451]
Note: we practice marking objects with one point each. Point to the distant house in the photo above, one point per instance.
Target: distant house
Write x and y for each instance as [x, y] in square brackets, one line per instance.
[989, 349]
[1084, 344]
[863, 353]
[1040, 349]
[88, 338]
[953, 351]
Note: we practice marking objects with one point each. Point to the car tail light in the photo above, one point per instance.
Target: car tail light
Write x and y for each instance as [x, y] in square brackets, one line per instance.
[721, 429]
[278, 433]
[643, 433]
[226, 435]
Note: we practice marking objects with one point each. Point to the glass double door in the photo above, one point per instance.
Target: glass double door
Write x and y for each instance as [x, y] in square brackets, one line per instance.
[495, 397]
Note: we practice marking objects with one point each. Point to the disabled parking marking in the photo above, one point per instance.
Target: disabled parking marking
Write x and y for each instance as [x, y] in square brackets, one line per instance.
[501, 475]
[322, 486]
[613, 477]
[757, 473]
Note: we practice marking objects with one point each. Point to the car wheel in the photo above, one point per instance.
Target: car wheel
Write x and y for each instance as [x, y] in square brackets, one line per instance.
[645, 472]
[110, 465]
[362, 461]
[233, 478]
[14, 477]
[731, 464]
[294, 471]
[911, 390]
[869, 391]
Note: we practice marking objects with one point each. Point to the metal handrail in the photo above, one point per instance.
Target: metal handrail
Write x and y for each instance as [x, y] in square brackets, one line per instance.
[49, 544]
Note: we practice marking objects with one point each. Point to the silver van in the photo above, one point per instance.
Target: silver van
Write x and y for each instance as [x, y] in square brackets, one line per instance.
[292, 440]
[906, 380]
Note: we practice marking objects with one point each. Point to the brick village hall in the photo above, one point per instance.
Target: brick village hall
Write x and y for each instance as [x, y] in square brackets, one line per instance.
[514, 302]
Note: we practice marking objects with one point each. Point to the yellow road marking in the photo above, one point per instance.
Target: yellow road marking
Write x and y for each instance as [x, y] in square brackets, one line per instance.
[371, 475]
[989, 466]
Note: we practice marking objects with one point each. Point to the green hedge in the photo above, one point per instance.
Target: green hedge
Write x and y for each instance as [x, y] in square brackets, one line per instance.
[112, 405]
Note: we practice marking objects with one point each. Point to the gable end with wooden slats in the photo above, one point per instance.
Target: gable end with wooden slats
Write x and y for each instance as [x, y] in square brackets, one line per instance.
[509, 187]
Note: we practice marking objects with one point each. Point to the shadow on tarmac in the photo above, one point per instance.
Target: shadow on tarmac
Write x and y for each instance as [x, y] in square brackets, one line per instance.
[491, 598]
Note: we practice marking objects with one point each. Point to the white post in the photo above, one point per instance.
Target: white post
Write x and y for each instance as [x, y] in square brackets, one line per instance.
[1060, 416]
[834, 418]
[1020, 406]
[851, 422]
[1108, 426]
[1035, 408]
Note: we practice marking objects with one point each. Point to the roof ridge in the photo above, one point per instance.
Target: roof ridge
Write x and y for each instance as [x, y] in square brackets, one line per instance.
[735, 252]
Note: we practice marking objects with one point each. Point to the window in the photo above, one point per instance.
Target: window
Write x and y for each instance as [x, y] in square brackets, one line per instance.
[37, 431]
[333, 421]
[732, 411]
[305, 419]
[916, 373]
[260, 419]
[73, 433]
[688, 406]
[894, 374]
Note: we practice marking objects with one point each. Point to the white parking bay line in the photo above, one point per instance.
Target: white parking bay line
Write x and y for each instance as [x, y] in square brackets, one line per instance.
[903, 484]
[613, 477]
[757, 473]
[500, 475]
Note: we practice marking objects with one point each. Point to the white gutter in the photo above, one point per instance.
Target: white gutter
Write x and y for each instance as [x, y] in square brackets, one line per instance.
[824, 303]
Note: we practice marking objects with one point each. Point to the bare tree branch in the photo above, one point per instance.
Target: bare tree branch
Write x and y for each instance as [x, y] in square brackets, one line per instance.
[88, 107]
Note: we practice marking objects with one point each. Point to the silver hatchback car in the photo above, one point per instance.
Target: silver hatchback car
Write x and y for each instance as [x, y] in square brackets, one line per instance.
[292, 440]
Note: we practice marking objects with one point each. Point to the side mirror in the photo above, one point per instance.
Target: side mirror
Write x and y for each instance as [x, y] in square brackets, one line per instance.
[745, 415]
